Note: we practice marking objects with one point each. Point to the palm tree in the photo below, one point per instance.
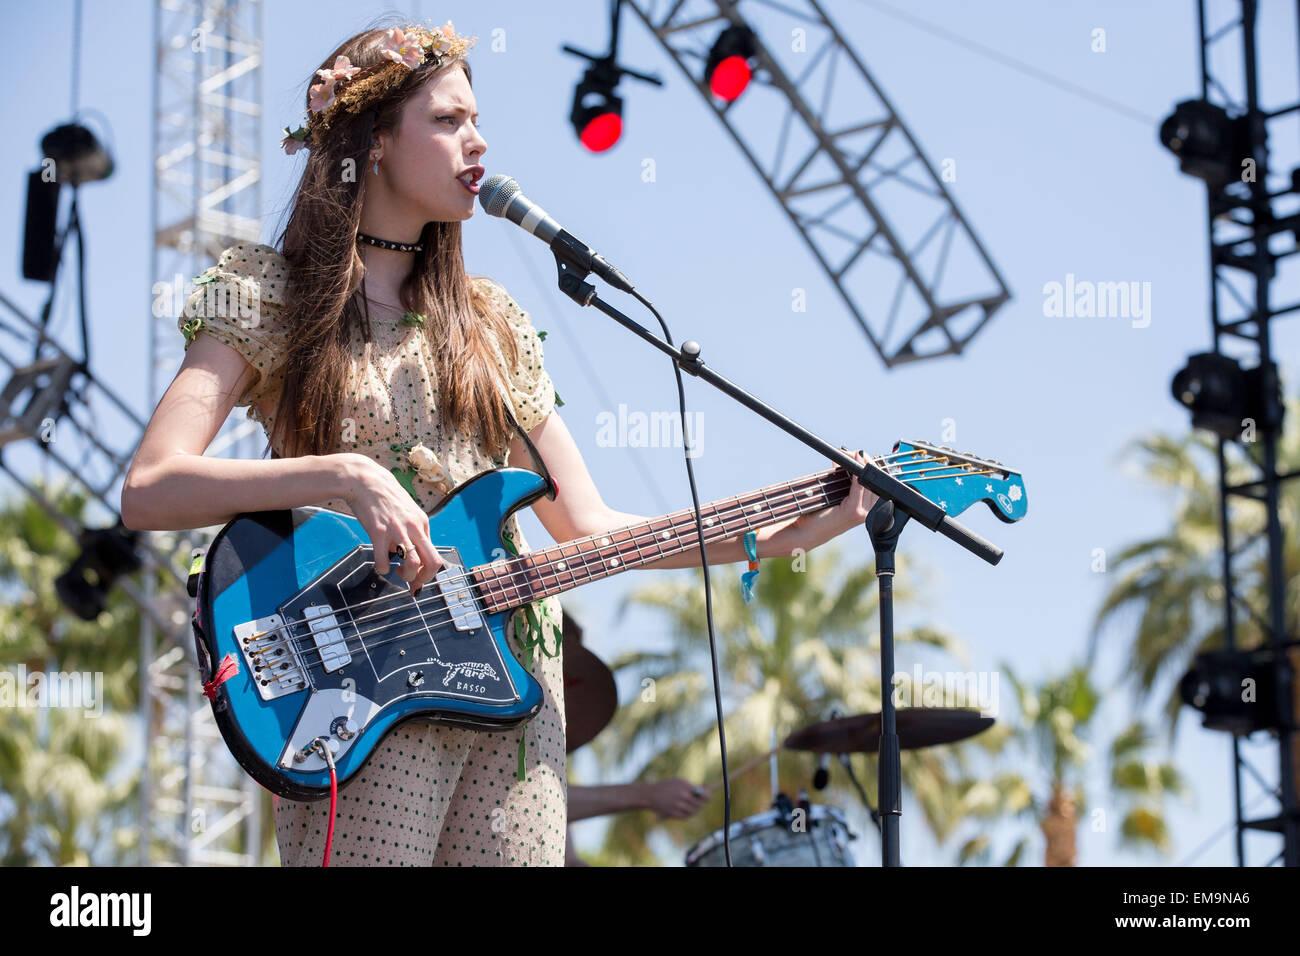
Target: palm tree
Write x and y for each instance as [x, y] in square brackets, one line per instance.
[69, 798]
[805, 644]
[1141, 784]
[1052, 728]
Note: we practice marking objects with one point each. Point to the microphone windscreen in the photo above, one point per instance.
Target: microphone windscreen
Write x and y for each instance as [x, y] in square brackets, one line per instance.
[496, 192]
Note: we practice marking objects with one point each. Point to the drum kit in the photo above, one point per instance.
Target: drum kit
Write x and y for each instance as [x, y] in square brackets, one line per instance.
[808, 834]
[792, 832]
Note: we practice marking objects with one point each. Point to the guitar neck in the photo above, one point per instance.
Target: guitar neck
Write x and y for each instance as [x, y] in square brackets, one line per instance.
[539, 574]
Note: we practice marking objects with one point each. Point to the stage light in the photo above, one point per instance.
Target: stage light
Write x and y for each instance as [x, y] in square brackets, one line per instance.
[77, 154]
[1223, 397]
[1213, 387]
[1209, 143]
[106, 554]
[1235, 690]
[597, 115]
[728, 69]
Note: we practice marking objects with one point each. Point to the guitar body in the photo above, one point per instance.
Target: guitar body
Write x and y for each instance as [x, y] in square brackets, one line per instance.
[319, 639]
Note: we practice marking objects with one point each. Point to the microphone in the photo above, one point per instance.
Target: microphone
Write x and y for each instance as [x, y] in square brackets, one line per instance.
[501, 196]
[823, 775]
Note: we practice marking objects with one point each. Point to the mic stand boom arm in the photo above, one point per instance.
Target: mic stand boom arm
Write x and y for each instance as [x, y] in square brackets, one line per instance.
[574, 266]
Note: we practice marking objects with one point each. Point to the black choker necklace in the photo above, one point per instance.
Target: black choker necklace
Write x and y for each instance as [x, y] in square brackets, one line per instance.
[387, 244]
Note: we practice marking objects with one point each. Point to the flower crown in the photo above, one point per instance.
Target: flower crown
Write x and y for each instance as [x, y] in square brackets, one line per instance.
[348, 89]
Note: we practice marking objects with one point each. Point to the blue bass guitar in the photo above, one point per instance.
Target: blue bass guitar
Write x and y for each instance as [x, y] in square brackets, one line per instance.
[304, 647]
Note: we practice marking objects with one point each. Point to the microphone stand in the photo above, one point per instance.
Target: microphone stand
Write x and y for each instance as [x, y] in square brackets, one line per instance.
[862, 794]
[898, 502]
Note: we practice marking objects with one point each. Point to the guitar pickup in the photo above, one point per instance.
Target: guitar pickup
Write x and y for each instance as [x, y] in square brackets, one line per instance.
[460, 601]
[327, 635]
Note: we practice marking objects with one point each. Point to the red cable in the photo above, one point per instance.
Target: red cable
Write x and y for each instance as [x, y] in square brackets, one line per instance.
[334, 795]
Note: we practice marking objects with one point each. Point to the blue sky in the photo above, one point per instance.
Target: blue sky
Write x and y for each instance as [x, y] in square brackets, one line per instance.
[1053, 183]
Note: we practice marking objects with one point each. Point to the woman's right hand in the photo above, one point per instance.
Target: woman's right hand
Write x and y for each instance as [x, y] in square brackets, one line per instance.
[391, 517]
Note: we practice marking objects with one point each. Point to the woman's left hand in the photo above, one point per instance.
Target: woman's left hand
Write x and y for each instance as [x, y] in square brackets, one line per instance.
[852, 511]
[815, 528]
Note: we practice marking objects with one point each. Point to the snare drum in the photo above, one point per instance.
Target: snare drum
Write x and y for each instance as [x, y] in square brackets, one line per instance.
[775, 839]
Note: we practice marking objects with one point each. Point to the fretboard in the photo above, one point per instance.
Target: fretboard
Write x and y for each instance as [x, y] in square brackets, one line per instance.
[553, 570]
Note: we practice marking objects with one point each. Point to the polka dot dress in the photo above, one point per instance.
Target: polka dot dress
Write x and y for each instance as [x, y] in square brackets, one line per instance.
[429, 795]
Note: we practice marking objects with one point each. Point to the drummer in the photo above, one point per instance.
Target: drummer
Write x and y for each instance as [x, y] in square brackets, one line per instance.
[674, 799]
[590, 699]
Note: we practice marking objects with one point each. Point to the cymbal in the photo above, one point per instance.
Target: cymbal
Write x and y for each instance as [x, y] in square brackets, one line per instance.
[917, 727]
[590, 695]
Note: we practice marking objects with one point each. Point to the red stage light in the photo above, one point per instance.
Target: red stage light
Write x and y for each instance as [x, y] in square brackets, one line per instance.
[602, 132]
[730, 78]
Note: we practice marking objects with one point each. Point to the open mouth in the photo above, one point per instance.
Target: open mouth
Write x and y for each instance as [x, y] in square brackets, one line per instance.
[469, 179]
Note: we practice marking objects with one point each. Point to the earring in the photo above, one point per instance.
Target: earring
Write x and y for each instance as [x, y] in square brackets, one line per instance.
[375, 168]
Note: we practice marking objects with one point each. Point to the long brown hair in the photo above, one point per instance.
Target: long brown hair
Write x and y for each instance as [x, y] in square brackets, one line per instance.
[323, 304]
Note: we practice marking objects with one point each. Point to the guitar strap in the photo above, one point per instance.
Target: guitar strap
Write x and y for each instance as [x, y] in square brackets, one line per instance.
[532, 450]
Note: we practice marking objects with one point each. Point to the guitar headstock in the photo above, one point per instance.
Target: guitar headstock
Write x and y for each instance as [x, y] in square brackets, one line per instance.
[956, 480]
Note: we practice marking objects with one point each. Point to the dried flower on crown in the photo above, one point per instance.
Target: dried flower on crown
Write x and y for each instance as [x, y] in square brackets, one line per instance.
[349, 89]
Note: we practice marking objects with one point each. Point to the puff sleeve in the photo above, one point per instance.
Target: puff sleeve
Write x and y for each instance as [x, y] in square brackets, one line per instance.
[531, 389]
[238, 302]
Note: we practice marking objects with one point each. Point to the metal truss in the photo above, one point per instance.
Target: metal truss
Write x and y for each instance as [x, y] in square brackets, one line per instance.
[55, 415]
[1244, 217]
[847, 171]
[198, 806]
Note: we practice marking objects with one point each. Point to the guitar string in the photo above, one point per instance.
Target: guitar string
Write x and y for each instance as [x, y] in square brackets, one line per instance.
[303, 647]
[491, 587]
[674, 516]
[307, 642]
[368, 647]
[364, 646]
[686, 514]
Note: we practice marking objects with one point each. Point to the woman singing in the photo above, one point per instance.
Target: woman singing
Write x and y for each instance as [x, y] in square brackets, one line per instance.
[380, 371]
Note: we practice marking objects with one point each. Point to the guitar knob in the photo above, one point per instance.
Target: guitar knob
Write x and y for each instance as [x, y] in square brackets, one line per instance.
[345, 728]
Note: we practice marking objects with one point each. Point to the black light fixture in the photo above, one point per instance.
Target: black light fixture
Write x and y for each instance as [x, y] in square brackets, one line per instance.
[597, 114]
[1235, 690]
[1222, 396]
[730, 65]
[106, 554]
[77, 154]
[1209, 143]
[77, 158]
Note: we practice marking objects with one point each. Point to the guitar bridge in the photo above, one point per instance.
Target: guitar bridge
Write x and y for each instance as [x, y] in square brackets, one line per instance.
[268, 652]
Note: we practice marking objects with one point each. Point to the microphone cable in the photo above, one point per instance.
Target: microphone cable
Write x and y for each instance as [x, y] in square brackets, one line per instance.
[708, 588]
